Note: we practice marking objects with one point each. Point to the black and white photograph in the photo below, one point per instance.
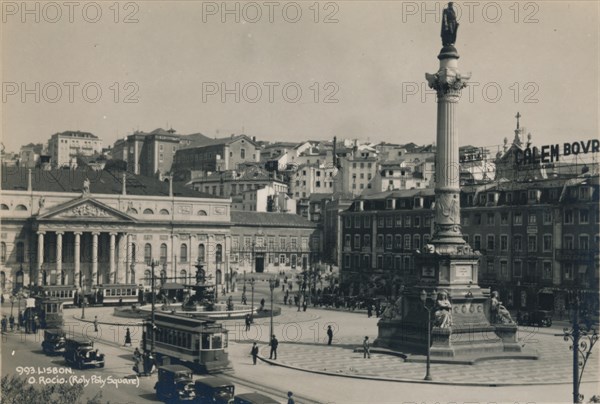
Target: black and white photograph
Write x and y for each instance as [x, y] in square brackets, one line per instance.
[299, 202]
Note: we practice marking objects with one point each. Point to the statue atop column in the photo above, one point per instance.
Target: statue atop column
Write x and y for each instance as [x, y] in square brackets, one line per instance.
[449, 26]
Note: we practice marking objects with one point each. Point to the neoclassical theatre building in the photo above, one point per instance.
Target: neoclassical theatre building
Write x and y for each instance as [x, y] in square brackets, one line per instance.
[86, 228]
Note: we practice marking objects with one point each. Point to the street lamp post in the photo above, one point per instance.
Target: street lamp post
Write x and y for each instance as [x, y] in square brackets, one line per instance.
[423, 296]
[83, 301]
[153, 264]
[252, 301]
[272, 287]
[12, 302]
[583, 341]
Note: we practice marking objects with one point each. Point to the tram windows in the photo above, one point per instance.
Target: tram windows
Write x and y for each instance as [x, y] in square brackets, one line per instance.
[216, 342]
[205, 341]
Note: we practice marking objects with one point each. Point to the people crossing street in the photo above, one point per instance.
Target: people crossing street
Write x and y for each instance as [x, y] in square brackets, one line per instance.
[329, 335]
[274, 344]
[366, 348]
[254, 353]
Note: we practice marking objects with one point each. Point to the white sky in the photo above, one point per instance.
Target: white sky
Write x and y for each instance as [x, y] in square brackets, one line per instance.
[376, 50]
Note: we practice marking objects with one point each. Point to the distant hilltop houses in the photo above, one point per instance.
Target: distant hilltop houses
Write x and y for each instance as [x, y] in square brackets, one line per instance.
[357, 209]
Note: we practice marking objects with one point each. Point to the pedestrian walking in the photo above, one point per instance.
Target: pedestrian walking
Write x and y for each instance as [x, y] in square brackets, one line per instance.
[329, 335]
[11, 322]
[274, 344]
[128, 338]
[248, 321]
[304, 305]
[4, 323]
[36, 324]
[262, 304]
[137, 358]
[366, 348]
[254, 353]
[20, 321]
[285, 298]
[96, 323]
[369, 310]
[290, 398]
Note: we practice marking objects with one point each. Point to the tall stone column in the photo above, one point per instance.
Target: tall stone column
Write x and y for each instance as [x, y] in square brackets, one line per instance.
[448, 83]
[122, 259]
[77, 259]
[40, 257]
[95, 258]
[112, 273]
[59, 245]
[128, 259]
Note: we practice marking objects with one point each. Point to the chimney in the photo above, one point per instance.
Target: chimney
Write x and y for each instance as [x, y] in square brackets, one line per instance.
[29, 186]
[334, 152]
[124, 185]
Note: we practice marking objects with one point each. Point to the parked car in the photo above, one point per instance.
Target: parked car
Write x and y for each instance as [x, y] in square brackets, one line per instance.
[80, 353]
[175, 384]
[539, 318]
[253, 398]
[54, 342]
[214, 389]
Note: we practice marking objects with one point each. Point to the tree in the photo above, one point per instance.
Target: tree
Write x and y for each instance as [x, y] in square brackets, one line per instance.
[15, 390]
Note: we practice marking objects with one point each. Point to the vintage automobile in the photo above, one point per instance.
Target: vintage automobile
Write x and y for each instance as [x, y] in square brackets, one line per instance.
[539, 318]
[253, 398]
[214, 389]
[54, 342]
[80, 353]
[175, 384]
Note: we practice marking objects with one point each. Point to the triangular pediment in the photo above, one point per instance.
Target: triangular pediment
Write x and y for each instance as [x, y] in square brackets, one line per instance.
[87, 209]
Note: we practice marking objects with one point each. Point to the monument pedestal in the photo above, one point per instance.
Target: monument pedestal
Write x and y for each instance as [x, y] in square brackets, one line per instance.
[470, 332]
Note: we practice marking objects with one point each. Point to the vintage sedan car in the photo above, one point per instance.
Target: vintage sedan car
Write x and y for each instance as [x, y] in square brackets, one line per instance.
[80, 353]
[214, 389]
[54, 342]
[253, 398]
[539, 318]
[175, 384]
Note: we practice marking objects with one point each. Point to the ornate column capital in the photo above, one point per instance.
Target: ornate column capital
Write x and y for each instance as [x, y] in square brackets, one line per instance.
[78, 233]
[448, 82]
[60, 233]
[41, 233]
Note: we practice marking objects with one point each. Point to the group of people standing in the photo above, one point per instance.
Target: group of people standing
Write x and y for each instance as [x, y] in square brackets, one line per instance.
[31, 324]
[145, 363]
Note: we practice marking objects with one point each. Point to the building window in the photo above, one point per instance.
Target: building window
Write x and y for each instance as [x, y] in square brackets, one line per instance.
[348, 222]
[491, 219]
[367, 243]
[219, 253]
[406, 221]
[163, 253]
[398, 221]
[477, 220]
[518, 243]
[416, 241]
[243, 153]
[491, 242]
[417, 221]
[380, 241]
[503, 242]
[547, 242]
[367, 222]
[517, 269]
[380, 262]
[504, 218]
[407, 242]
[398, 238]
[357, 241]
[584, 242]
[201, 253]
[477, 242]
[569, 242]
[532, 218]
[380, 222]
[504, 269]
[2, 252]
[568, 216]
[389, 241]
[531, 243]
[183, 253]
[346, 260]
[356, 222]
[490, 267]
[584, 216]
[148, 253]
[547, 217]
[518, 218]
[568, 268]
[389, 222]
[547, 270]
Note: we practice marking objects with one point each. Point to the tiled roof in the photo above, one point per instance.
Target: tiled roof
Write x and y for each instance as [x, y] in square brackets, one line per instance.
[269, 219]
[101, 182]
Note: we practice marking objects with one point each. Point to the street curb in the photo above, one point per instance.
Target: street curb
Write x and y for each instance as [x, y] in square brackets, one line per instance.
[109, 323]
[400, 380]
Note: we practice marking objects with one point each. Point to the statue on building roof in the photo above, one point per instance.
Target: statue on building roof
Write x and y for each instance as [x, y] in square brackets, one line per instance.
[86, 186]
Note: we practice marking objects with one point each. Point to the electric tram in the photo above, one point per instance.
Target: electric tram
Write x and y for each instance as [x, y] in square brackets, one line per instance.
[114, 294]
[199, 343]
[49, 311]
[65, 293]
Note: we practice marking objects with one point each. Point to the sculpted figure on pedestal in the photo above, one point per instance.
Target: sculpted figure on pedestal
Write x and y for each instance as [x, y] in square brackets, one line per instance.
[443, 311]
[500, 314]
